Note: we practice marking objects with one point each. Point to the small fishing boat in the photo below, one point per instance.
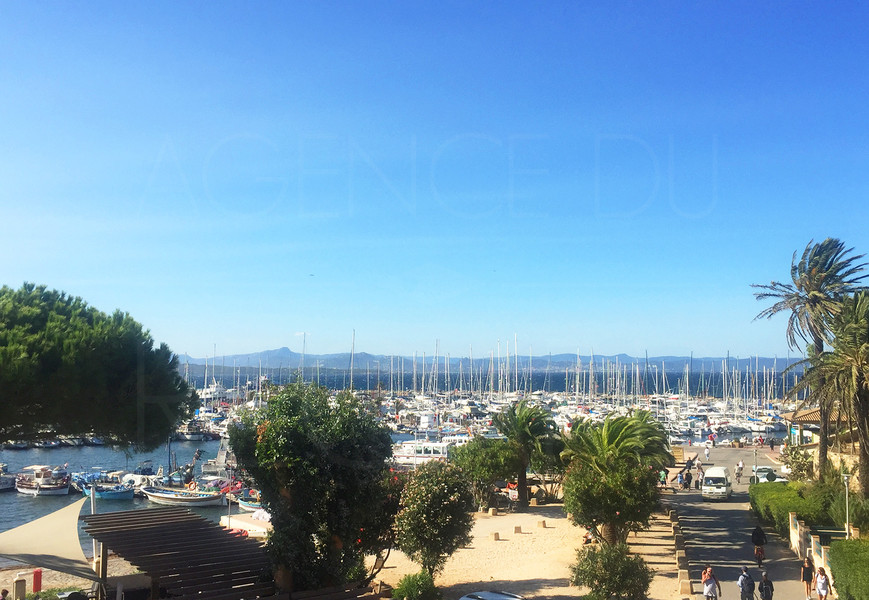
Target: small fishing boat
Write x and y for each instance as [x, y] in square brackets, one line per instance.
[250, 501]
[183, 497]
[114, 492]
[43, 481]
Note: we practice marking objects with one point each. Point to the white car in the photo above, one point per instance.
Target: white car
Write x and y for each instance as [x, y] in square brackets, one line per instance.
[765, 474]
[492, 595]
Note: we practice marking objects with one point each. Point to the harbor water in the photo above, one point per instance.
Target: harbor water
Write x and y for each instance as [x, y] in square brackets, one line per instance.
[18, 508]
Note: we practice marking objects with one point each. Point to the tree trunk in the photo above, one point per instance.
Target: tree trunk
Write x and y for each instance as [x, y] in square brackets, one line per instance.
[824, 418]
[609, 533]
[522, 482]
[861, 408]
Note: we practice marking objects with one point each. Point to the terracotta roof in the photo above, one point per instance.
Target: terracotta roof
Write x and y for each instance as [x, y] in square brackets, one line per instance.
[192, 557]
[811, 416]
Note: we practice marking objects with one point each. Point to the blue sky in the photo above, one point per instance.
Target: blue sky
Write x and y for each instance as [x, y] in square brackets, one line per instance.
[608, 177]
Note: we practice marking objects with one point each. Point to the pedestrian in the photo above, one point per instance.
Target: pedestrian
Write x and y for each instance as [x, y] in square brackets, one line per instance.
[4, 594]
[758, 538]
[807, 575]
[746, 585]
[772, 444]
[822, 584]
[711, 585]
[688, 478]
[765, 588]
[662, 478]
[680, 479]
[706, 453]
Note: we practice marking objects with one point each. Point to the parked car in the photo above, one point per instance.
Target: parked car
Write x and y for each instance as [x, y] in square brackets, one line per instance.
[492, 595]
[765, 474]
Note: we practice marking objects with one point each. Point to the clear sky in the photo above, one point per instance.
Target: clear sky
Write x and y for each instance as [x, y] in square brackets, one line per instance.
[608, 177]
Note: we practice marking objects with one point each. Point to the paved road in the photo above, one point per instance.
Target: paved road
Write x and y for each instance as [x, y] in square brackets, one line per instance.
[719, 533]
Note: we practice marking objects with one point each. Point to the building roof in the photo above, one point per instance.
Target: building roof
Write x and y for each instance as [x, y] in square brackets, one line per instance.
[810, 416]
[193, 558]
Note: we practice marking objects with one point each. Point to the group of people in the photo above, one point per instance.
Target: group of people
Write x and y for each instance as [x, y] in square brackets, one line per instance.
[813, 580]
[684, 478]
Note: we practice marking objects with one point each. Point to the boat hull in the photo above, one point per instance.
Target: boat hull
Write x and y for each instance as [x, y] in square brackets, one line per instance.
[43, 490]
[183, 498]
[111, 494]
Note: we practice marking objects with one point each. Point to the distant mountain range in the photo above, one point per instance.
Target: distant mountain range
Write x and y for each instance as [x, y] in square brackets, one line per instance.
[284, 358]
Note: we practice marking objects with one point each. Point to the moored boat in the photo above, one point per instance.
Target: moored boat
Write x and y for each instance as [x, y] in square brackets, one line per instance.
[114, 492]
[7, 481]
[43, 481]
[183, 497]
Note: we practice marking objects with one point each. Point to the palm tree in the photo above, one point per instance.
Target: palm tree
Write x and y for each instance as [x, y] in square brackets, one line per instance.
[820, 280]
[844, 371]
[612, 448]
[637, 438]
[524, 426]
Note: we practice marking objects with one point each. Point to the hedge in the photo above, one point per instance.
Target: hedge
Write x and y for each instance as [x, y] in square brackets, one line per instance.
[849, 564]
[774, 501]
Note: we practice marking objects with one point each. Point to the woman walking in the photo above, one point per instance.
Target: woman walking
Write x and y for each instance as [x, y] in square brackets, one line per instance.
[711, 585]
[807, 576]
[822, 584]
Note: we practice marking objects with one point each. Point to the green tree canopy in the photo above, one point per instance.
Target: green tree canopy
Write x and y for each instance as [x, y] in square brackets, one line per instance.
[613, 503]
[321, 466]
[435, 516]
[637, 438]
[525, 426]
[69, 369]
[485, 461]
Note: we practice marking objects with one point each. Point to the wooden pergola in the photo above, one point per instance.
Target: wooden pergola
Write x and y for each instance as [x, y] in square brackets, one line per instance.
[188, 556]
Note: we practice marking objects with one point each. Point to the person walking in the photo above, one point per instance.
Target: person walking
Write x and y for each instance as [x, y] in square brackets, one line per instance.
[807, 576]
[746, 585]
[662, 478]
[765, 588]
[706, 453]
[688, 478]
[710, 583]
[822, 584]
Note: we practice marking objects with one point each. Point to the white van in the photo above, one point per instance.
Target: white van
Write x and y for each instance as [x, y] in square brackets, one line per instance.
[717, 484]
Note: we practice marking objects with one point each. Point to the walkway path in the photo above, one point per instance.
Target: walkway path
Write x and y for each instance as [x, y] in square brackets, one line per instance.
[719, 534]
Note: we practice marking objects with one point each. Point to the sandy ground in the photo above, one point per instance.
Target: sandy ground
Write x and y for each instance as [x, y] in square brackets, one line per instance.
[533, 562]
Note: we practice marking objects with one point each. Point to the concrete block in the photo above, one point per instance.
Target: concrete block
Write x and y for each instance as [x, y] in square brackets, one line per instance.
[541, 524]
[517, 529]
[683, 574]
[493, 512]
[679, 542]
[674, 516]
[685, 587]
[494, 536]
[533, 502]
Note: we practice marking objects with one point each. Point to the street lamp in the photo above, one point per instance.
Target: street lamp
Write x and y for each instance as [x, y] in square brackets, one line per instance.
[847, 476]
[755, 461]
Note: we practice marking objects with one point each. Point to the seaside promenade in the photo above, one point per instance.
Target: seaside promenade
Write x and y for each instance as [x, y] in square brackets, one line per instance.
[719, 533]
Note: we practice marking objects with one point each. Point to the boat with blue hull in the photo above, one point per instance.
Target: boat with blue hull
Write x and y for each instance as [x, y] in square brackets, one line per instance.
[104, 492]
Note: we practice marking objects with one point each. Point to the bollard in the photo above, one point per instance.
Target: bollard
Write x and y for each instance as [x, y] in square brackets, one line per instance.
[533, 502]
[517, 529]
[19, 588]
[685, 587]
[683, 574]
[494, 536]
[37, 581]
[541, 524]
[679, 542]
[493, 512]
[674, 517]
